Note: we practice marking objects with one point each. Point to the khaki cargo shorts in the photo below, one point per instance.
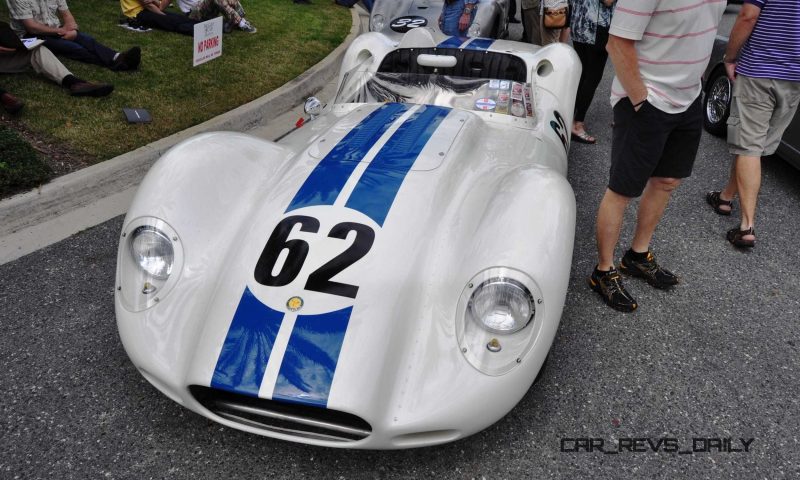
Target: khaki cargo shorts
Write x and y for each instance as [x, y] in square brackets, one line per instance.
[761, 109]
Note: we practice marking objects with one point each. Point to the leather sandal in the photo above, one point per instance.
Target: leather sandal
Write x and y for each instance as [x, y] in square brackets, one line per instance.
[715, 200]
[583, 137]
[736, 237]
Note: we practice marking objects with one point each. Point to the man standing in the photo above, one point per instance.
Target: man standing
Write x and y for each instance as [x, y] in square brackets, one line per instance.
[762, 56]
[52, 21]
[659, 49]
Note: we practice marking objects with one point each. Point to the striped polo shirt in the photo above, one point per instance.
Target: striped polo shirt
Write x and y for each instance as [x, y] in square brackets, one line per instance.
[673, 42]
[773, 49]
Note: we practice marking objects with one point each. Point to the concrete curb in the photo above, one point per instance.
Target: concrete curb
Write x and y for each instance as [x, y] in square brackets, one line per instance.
[84, 187]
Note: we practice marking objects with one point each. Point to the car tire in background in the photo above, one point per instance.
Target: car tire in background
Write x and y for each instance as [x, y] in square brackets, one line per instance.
[717, 103]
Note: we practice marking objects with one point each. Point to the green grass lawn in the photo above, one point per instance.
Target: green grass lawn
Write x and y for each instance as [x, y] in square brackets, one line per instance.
[290, 39]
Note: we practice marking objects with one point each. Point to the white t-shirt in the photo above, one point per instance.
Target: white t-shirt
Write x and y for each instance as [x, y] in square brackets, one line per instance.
[186, 6]
[674, 39]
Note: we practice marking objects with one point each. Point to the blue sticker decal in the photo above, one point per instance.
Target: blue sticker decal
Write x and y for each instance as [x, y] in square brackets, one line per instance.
[452, 42]
[309, 364]
[329, 176]
[480, 44]
[377, 188]
[243, 360]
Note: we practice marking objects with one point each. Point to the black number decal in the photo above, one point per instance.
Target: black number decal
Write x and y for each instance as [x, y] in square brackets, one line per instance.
[298, 251]
[320, 280]
[404, 24]
[560, 127]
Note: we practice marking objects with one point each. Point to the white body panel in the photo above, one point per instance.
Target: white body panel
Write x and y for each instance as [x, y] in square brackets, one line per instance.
[485, 190]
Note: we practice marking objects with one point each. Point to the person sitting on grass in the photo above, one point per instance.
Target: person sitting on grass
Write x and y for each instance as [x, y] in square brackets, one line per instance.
[52, 21]
[150, 13]
[202, 10]
[43, 61]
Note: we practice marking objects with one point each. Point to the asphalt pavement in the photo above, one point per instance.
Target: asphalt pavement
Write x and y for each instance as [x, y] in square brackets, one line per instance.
[715, 358]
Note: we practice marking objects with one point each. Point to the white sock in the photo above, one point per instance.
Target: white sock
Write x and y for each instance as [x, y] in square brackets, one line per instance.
[242, 22]
[116, 55]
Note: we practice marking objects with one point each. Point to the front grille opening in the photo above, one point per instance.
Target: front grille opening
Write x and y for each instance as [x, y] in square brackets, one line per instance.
[291, 419]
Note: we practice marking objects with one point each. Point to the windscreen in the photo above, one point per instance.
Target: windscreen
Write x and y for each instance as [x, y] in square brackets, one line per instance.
[504, 97]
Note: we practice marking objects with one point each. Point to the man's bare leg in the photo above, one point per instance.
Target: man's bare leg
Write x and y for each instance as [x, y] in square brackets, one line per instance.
[731, 189]
[609, 223]
[748, 181]
[651, 208]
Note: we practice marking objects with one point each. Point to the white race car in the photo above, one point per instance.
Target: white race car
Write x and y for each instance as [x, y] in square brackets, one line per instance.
[396, 17]
[390, 275]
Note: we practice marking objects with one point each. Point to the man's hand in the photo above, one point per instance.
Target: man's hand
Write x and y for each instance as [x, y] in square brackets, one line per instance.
[608, 3]
[730, 69]
[70, 35]
[68, 21]
[464, 21]
[622, 52]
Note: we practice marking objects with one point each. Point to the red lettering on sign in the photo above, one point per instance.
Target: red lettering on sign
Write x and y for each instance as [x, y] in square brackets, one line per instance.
[208, 43]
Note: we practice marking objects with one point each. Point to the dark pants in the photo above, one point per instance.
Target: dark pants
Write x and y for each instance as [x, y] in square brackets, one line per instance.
[512, 9]
[83, 49]
[651, 143]
[593, 58]
[171, 22]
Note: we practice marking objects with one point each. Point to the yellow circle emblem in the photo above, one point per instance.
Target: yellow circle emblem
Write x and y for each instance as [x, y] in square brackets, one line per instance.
[294, 304]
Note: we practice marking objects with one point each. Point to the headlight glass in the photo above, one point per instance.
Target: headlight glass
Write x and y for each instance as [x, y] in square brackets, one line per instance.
[474, 30]
[502, 305]
[498, 316]
[152, 251]
[149, 263]
[378, 22]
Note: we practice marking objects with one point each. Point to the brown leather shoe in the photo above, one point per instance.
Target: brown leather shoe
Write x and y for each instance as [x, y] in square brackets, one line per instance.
[11, 104]
[89, 89]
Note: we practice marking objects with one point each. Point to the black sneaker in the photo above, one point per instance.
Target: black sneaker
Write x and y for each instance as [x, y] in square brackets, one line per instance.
[127, 60]
[609, 286]
[648, 269]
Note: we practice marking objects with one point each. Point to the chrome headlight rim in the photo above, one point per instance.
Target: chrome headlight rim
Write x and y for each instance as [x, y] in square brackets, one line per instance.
[138, 256]
[135, 284]
[377, 22]
[473, 338]
[526, 293]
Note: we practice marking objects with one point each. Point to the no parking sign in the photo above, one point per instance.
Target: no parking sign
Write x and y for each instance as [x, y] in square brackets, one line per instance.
[207, 41]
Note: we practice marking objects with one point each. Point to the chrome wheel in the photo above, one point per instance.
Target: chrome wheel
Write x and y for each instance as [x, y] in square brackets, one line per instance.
[719, 99]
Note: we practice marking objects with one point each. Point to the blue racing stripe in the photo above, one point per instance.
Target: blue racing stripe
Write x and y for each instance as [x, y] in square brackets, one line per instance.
[243, 360]
[480, 44]
[309, 364]
[377, 188]
[331, 173]
[452, 42]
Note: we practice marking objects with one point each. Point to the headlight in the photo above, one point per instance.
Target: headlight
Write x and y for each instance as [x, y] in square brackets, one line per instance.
[474, 30]
[496, 319]
[148, 263]
[502, 305]
[152, 251]
[378, 22]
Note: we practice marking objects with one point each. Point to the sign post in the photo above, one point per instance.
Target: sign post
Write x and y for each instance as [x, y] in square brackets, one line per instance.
[207, 41]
